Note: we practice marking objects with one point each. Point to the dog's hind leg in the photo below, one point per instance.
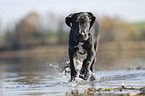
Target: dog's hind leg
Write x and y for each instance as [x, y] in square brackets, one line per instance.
[92, 66]
[92, 78]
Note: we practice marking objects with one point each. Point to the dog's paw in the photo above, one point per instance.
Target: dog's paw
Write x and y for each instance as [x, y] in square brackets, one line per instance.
[81, 76]
[86, 76]
[72, 79]
[92, 78]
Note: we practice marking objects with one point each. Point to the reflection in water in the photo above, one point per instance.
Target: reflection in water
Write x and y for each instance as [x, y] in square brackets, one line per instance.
[119, 60]
[39, 76]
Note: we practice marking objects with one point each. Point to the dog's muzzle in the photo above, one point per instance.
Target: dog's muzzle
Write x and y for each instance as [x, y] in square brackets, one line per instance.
[82, 36]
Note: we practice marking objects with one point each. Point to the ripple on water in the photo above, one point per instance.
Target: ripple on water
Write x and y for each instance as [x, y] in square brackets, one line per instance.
[59, 85]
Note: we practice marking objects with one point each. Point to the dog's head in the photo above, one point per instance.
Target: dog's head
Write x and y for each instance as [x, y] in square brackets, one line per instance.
[80, 24]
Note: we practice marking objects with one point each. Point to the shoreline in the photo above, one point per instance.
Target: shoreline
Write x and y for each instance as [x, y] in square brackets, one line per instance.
[62, 50]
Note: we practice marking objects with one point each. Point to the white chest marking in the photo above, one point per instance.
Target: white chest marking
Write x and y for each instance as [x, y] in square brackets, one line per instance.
[81, 50]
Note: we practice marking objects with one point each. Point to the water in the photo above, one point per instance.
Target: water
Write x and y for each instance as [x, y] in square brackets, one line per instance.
[42, 77]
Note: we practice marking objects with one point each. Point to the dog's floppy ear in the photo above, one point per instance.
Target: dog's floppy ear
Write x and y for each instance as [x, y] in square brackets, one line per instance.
[92, 19]
[68, 20]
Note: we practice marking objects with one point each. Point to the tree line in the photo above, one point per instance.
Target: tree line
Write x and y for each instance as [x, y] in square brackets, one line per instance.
[33, 30]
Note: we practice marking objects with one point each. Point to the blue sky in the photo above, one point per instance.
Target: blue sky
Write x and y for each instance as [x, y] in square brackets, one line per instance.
[130, 10]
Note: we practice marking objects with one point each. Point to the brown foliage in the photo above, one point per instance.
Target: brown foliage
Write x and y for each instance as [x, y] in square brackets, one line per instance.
[115, 29]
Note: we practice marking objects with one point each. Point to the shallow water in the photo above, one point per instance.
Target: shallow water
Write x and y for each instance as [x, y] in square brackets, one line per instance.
[38, 77]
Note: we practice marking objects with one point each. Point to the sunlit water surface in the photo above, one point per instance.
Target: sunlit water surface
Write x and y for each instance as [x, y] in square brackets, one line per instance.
[38, 77]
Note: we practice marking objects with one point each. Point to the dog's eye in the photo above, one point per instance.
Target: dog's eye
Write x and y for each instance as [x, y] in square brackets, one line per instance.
[85, 24]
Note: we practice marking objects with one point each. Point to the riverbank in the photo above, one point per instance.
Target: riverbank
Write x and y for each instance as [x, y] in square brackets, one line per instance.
[62, 50]
[39, 51]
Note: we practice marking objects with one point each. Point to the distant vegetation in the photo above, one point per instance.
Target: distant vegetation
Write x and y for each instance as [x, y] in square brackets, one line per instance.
[140, 30]
[35, 30]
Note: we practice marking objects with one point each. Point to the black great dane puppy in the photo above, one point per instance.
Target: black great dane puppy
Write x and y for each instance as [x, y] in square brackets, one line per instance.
[83, 38]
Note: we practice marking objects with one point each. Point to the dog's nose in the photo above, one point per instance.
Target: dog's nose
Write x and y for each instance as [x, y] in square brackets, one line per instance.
[81, 34]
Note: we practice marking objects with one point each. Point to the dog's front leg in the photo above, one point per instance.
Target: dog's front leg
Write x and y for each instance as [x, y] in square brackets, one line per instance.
[72, 57]
[84, 74]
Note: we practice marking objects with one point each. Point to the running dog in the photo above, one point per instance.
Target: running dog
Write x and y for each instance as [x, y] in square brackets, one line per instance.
[83, 38]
